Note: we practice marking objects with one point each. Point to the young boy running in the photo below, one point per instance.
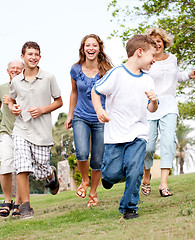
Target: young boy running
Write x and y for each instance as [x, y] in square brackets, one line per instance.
[32, 90]
[129, 93]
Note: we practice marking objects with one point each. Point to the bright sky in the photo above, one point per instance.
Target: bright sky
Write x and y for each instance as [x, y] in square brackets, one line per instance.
[58, 27]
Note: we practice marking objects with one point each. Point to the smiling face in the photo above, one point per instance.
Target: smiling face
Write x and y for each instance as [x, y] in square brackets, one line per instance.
[159, 43]
[148, 58]
[31, 58]
[91, 48]
[14, 68]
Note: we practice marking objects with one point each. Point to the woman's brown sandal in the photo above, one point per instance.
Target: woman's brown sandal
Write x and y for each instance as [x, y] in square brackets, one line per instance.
[165, 192]
[82, 190]
[93, 201]
[146, 189]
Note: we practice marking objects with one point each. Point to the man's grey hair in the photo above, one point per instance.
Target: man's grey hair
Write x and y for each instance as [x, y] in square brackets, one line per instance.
[8, 66]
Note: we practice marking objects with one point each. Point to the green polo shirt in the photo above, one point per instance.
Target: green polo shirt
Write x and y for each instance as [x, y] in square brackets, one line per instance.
[8, 119]
[37, 93]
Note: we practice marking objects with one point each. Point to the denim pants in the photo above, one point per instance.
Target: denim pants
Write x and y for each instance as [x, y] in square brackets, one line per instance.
[167, 128]
[83, 131]
[125, 159]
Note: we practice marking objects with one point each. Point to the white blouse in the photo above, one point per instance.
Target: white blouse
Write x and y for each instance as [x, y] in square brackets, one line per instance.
[166, 75]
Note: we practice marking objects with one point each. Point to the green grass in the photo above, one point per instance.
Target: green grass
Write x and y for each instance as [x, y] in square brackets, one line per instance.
[65, 216]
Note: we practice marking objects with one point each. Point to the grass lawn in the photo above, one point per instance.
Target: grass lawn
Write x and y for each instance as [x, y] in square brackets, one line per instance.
[65, 216]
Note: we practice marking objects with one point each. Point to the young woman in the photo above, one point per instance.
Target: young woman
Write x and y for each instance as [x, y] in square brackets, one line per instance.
[166, 75]
[92, 65]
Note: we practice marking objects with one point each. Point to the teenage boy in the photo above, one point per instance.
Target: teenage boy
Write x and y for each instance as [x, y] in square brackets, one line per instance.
[32, 90]
[6, 144]
[129, 93]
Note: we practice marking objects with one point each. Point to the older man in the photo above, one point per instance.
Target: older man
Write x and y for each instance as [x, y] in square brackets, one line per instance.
[6, 144]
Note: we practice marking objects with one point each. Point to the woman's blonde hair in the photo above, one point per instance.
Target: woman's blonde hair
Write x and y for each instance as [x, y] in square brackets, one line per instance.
[104, 63]
[167, 39]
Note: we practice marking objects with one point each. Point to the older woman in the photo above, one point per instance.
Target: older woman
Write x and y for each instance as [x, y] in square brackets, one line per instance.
[166, 75]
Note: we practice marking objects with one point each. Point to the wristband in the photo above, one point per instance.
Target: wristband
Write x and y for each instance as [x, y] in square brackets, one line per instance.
[157, 101]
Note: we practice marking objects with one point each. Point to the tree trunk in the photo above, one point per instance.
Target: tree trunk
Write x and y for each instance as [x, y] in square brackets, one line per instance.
[181, 161]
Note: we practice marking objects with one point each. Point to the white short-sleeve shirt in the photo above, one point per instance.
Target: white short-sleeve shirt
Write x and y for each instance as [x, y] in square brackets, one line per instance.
[126, 104]
[166, 75]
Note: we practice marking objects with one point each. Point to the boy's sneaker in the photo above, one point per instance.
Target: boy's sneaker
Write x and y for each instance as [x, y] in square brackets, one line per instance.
[130, 214]
[53, 185]
[106, 184]
[26, 211]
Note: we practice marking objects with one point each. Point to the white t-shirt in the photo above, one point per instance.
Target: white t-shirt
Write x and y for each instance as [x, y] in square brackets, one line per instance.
[126, 104]
[166, 76]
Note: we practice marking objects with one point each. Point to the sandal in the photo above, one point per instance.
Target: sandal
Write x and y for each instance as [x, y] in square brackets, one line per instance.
[82, 190]
[16, 212]
[4, 212]
[165, 192]
[93, 201]
[146, 189]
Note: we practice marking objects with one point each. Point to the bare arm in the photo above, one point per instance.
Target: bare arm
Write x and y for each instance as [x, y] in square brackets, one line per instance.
[102, 115]
[72, 105]
[6, 99]
[153, 105]
[184, 76]
[13, 107]
[37, 111]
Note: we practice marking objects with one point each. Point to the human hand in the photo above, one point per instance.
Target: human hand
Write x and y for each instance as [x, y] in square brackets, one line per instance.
[68, 123]
[35, 112]
[102, 115]
[6, 99]
[15, 109]
[192, 74]
[151, 96]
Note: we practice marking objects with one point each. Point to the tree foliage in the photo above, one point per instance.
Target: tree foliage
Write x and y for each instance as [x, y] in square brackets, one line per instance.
[175, 16]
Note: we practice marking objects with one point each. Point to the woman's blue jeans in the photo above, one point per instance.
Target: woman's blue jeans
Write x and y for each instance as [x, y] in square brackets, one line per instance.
[83, 131]
[125, 159]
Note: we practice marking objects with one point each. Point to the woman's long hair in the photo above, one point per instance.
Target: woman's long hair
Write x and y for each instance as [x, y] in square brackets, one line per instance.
[104, 63]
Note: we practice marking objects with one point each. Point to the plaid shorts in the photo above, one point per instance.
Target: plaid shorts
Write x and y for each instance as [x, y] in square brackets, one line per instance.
[31, 158]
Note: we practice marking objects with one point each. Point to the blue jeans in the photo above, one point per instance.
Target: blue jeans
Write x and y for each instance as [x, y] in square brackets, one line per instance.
[167, 128]
[125, 159]
[83, 130]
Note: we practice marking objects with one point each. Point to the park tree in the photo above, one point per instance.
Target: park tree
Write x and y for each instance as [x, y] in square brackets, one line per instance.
[184, 146]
